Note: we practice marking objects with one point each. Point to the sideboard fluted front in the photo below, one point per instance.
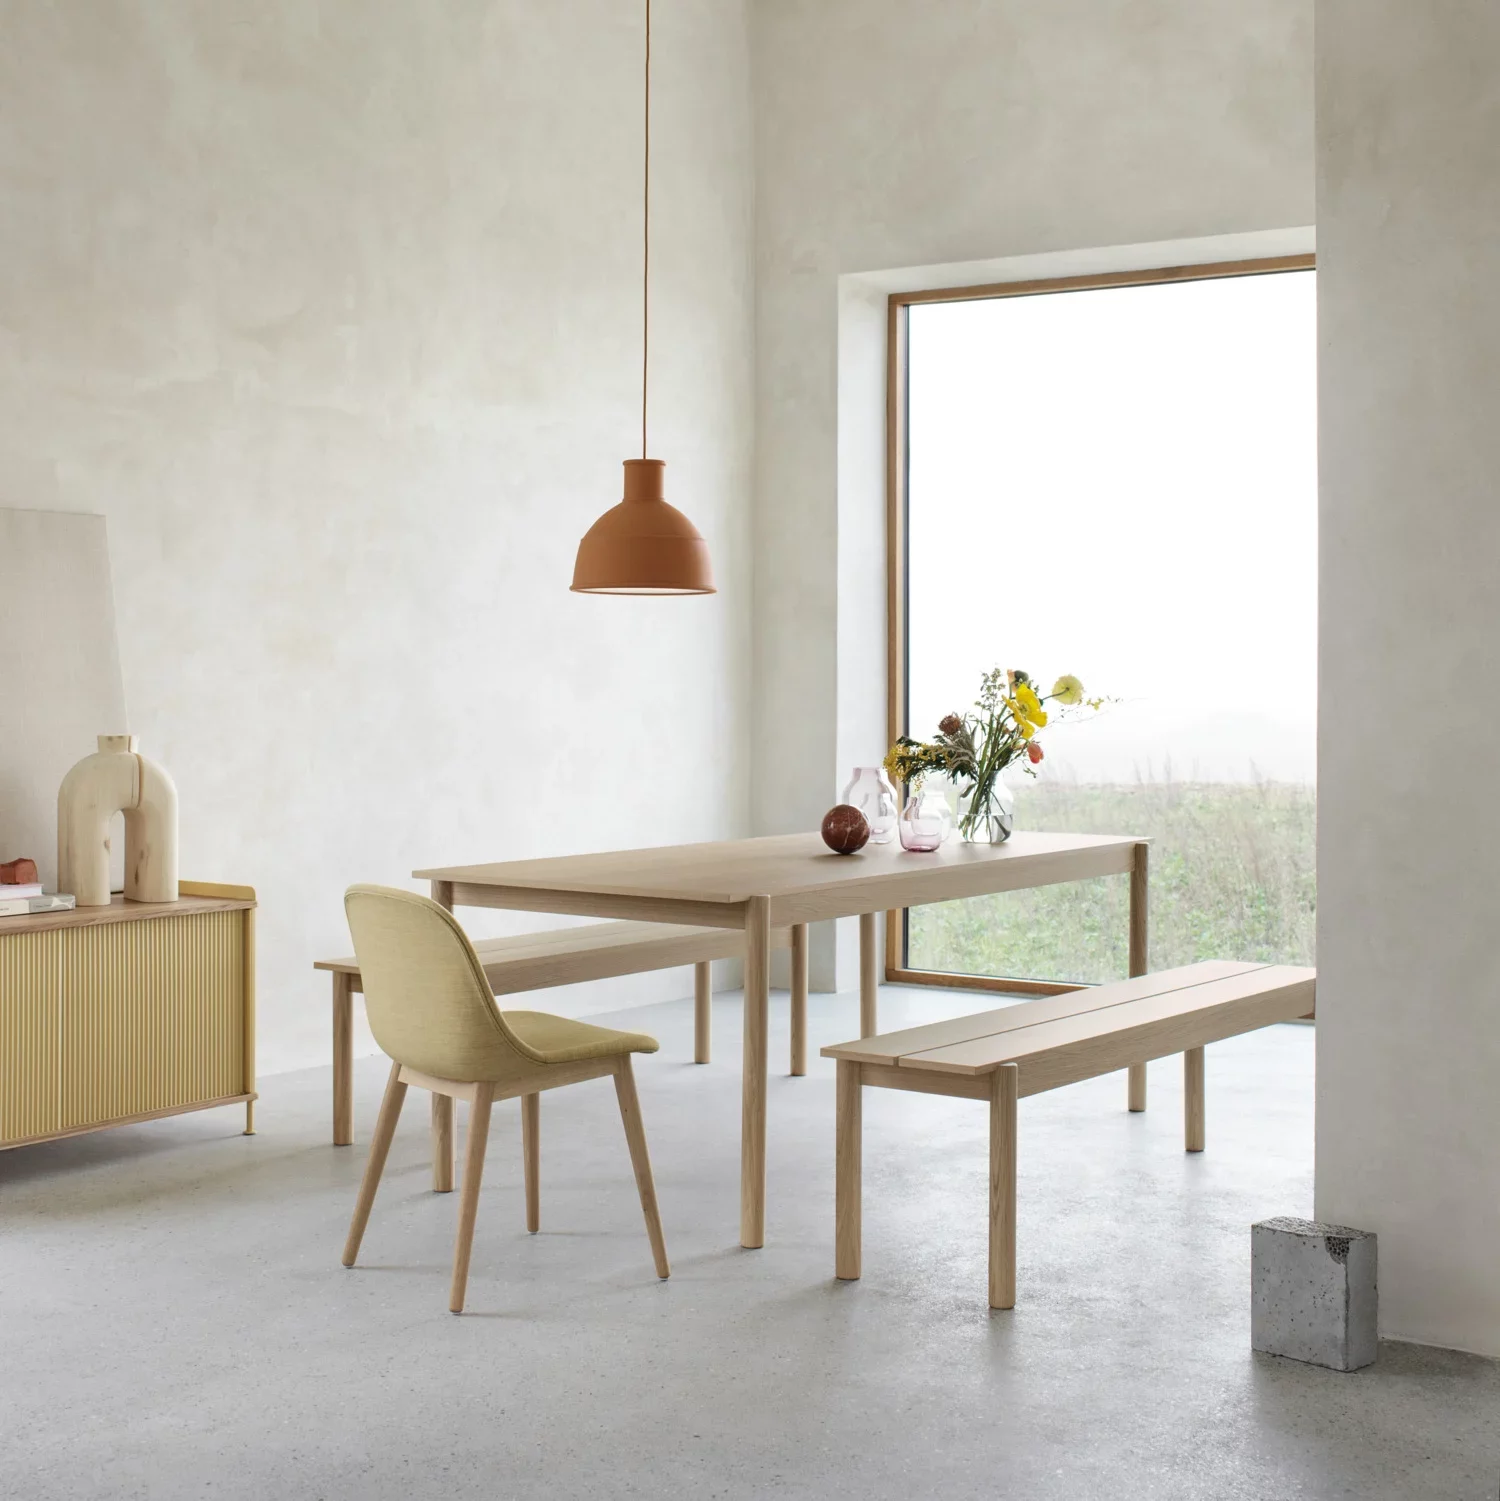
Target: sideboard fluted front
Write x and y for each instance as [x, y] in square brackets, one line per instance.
[111, 1015]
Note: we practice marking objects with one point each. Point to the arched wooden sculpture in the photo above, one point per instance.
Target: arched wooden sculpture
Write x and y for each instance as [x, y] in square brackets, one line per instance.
[118, 779]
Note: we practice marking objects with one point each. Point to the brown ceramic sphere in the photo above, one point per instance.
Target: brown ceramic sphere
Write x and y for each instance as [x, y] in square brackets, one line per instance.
[845, 829]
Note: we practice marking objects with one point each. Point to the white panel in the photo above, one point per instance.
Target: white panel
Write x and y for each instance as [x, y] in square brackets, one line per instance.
[60, 683]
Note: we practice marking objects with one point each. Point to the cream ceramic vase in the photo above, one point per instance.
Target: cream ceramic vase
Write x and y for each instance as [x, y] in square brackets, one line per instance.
[117, 779]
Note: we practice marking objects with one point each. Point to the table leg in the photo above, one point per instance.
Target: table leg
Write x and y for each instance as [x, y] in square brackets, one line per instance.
[869, 974]
[753, 1110]
[343, 1060]
[1140, 883]
[1003, 1095]
[848, 1154]
[799, 999]
[442, 1144]
[703, 1011]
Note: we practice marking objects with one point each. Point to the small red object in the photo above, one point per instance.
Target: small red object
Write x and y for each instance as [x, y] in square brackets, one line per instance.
[845, 829]
[18, 873]
[1034, 751]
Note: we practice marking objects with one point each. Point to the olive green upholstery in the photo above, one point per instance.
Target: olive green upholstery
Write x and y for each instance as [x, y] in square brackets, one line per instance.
[430, 1006]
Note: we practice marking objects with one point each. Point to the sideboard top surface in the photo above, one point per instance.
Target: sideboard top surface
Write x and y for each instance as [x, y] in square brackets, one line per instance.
[119, 910]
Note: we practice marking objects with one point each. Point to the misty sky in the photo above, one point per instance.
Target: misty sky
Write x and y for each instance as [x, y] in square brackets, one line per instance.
[1122, 484]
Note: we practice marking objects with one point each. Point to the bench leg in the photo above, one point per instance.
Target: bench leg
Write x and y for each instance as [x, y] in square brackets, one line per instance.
[799, 999]
[703, 1013]
[531, 1151]
[847, 1153]
[869, 974]
[1192, 1099]
[1137, 1091]
[442, 1144]
[1003, 1096]
[343, 1060]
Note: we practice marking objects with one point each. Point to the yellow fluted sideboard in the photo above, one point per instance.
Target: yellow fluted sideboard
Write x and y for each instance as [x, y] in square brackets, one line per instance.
[125, 1013]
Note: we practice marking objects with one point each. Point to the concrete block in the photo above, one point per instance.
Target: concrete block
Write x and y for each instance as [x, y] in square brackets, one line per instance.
[1312, 1292]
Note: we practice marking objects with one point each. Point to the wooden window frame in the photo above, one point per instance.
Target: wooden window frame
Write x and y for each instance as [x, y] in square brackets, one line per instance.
[897, 501]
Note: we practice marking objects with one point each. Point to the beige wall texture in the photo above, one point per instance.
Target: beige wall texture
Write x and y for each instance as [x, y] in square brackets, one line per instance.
[1409, 835]
[901, 133]
[332, 310]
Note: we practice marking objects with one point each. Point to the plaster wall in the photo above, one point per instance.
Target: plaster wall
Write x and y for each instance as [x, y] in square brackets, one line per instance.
[898, 134]
[333, 311]
[1409, 839]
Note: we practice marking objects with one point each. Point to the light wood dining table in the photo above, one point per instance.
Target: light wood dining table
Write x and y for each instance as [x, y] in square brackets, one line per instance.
[788, 881]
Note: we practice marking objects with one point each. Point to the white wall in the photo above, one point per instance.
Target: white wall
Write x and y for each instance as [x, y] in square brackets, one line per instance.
[906, 133]
[333, 311]
[1409, 836]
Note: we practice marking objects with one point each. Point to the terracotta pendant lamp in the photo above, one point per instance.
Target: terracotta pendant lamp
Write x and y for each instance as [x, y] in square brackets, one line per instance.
[643, 545]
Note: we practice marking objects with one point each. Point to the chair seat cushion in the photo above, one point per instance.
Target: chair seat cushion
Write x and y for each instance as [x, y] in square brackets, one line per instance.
[559, 1040]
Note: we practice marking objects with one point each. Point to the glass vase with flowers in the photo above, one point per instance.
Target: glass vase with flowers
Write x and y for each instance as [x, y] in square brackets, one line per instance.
[973, 750]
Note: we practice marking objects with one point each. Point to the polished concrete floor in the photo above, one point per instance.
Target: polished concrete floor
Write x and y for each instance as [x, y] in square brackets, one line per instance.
[174, 1321]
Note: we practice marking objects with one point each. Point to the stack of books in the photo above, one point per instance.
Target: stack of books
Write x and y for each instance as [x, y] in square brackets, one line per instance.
[22, 897]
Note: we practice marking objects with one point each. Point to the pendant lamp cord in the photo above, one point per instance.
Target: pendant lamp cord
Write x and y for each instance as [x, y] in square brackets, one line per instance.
[646, 245]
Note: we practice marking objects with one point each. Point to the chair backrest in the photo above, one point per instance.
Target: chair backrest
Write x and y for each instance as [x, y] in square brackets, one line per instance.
[426, 996]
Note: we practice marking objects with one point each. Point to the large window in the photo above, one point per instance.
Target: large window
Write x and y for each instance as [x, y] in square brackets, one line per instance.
[1119, 481]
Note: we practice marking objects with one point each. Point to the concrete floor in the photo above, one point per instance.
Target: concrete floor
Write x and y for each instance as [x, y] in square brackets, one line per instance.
[174, 1321]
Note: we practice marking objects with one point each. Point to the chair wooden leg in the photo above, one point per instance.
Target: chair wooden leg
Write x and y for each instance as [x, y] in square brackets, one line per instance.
[531, 1150]
[343, 1060]
[442, 1144]
[1003, 1094]
[1193, 1099]
[385, 1129]
[1136, 1095]
[799, 999]
[703, 1012]
[640, 1160]
[468, 1200]
[848, 1156]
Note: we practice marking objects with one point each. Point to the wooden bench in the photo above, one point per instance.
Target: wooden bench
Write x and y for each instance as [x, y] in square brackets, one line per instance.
[569, 956]
[1025, 1049]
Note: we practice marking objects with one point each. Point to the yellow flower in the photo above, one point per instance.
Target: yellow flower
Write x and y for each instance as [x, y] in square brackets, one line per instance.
[1031, 706]
[1068, 690]
[1023, 722]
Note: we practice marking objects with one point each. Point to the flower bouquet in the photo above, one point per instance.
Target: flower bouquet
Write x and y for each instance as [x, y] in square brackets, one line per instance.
[973, 750]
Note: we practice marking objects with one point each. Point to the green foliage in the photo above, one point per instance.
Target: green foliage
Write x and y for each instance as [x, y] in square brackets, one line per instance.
[1233, 876]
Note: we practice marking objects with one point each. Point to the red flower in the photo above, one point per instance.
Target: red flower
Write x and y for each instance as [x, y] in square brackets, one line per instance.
[1034, 751]
[950, 724]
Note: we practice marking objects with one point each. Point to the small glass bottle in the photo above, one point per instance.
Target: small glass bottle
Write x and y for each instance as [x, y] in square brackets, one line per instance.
[871, 792]
[926, 821]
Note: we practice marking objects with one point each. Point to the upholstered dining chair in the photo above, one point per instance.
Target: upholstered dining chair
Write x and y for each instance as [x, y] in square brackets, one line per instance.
[432, 1013]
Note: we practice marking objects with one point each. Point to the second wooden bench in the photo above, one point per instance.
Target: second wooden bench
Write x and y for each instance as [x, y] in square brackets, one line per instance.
[570, 956]
[999, 1056]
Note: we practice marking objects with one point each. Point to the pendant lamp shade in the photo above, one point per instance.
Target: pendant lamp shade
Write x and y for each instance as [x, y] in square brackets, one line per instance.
[643, 545]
